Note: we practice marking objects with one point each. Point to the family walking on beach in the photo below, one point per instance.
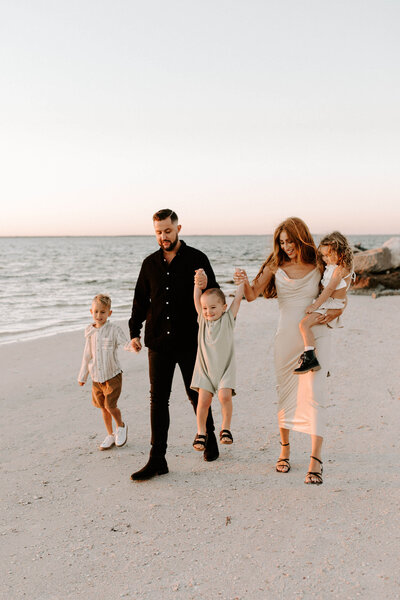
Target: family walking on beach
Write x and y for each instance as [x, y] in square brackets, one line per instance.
[189, 324]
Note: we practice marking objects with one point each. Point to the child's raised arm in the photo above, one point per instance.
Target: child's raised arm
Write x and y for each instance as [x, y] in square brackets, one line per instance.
[234, 308]
[197, 290]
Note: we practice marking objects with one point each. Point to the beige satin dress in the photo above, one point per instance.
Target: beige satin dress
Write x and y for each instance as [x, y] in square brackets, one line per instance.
[301, 398]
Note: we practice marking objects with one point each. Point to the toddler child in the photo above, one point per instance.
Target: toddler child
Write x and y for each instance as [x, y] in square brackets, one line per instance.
[101, 361]
[336, 253]
[214, 371]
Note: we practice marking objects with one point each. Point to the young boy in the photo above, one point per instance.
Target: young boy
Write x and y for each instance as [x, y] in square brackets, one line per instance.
[215, 370]
[101, 361]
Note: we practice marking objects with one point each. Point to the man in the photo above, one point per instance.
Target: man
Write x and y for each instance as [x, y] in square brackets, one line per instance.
[164, 298]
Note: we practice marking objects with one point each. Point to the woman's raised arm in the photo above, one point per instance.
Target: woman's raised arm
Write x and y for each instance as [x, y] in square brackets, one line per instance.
[252, 291]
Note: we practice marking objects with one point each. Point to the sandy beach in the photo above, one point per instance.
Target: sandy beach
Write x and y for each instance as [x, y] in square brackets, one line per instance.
[73, 524]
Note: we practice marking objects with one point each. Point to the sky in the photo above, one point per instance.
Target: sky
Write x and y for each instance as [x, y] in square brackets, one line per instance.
[234, 113]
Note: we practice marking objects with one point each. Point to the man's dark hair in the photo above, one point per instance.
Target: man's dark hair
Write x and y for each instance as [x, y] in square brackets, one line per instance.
[165, 213]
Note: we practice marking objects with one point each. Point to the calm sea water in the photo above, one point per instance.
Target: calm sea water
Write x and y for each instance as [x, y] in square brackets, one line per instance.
[46, 284]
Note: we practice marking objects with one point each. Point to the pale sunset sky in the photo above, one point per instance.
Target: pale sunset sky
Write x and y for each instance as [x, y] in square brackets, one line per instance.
[235, 113]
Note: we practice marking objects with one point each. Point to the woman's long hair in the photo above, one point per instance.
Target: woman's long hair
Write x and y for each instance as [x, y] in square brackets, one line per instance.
[339, 244]
[299, 234]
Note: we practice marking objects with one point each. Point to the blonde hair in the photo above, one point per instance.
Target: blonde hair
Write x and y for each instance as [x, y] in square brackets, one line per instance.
[301, 237]
[218, 292]
[340, 245]
[106, 300]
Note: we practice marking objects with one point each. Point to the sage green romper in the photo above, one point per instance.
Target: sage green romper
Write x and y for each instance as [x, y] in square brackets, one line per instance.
[215, 362]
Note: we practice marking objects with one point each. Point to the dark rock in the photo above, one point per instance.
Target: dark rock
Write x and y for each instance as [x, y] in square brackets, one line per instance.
[359, 248]
[389, 280]
[379, 294]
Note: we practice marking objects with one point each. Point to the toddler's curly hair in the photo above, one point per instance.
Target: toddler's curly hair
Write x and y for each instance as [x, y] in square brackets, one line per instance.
[340, 245]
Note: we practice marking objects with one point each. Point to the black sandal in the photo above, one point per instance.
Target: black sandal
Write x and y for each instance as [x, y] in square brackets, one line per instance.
[225, 437]
[317, 475]
[284, 462]
[200, 440]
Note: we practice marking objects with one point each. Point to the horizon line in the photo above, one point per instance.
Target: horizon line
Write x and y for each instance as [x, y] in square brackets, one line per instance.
[187, 235]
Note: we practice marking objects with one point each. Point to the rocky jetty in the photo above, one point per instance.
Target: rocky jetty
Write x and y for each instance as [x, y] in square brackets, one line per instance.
[378, 270]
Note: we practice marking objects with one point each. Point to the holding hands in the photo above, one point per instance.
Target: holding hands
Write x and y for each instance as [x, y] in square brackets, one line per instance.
[200, 279]
[239, 276]
[134, 345]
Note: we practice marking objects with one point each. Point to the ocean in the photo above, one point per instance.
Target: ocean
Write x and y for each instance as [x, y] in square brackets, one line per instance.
[47, 283]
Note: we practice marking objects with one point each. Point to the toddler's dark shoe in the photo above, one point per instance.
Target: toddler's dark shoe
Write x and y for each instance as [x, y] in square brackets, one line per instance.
[307, 362]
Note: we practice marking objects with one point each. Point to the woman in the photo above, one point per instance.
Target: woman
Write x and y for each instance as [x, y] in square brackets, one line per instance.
[290, 273]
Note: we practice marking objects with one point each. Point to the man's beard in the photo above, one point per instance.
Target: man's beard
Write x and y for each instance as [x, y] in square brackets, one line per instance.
[171, 245]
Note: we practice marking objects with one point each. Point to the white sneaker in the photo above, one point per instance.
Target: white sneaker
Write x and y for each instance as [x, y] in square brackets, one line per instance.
[108, 442]
[121, 435]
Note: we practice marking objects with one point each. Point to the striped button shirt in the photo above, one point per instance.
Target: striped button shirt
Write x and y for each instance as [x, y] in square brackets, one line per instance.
[100, 354]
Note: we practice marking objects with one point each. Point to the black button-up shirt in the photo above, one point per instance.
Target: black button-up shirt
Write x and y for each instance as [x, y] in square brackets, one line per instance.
[164, 298]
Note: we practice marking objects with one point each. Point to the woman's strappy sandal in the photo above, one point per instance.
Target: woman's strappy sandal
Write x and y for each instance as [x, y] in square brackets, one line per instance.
[314, 474]
[283, 462]
[200, 441]
[225, 436]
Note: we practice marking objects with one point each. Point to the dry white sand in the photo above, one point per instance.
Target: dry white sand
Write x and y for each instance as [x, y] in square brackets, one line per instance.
[75, 526]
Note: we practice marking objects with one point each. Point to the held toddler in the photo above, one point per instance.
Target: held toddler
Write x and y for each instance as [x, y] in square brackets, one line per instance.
[334, 250]
[214, 371]
[101, 361]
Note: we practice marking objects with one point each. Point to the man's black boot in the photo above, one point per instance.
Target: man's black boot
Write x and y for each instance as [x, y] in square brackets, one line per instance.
[155, 466]
[211, 452]
[308, 362]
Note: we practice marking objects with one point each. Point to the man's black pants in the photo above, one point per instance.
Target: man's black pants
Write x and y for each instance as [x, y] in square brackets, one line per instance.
[161, 370]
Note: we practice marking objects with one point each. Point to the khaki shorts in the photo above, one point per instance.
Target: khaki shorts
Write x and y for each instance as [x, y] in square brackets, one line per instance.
[105, 395]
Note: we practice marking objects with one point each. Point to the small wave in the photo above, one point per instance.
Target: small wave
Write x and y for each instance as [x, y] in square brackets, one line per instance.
[102, 282]
[21, 330]
[36, 335]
